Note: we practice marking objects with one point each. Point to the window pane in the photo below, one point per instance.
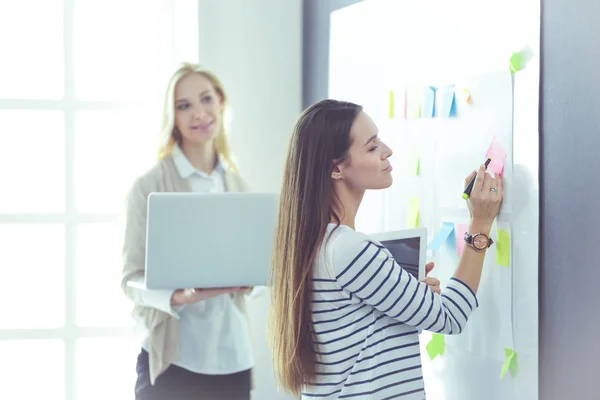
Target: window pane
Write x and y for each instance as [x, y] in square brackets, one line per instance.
[100, 301]
[111, 150]
[32, 369]
[32, 161]
[32, 276]
[106, 360]
[100, 54]
[31, 49]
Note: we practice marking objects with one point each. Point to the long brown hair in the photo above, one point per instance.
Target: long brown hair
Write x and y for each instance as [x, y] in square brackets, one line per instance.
[169, 132]
[320, 139]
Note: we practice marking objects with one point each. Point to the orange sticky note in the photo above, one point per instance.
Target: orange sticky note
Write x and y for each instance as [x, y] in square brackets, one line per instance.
[460, 230]
[466, 94]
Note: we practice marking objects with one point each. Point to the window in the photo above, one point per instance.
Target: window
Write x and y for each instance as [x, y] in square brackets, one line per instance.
[81, 90]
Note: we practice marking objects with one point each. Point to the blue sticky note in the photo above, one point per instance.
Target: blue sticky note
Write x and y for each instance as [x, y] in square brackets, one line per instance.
[448, 107]
[442, 236]
[428, 103]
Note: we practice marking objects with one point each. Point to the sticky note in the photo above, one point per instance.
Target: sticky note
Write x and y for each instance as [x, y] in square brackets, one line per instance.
[466, 95]
[498, 157]
[391, 105]
[428, 110]
[413, 212]
[413, 103]
[515, 62]
[414, 166]
[510, 363]
[519, 59]
[442, 236]
[461, 229]
[448, 106]
[436, 346]
[502, 248]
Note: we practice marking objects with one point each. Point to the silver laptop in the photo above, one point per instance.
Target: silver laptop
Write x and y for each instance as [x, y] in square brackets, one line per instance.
[209, 240]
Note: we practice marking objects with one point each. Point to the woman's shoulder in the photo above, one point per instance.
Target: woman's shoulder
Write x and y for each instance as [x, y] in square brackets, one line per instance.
[344, 244]
[236, 181]
[346, 247]
[344, 240]
[151, 180]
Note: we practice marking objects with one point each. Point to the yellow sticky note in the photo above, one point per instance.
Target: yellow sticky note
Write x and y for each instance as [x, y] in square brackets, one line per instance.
[413, 213]
[436, 346]
[391, 105]
[510, 363]
[502, 248]
[414, 168]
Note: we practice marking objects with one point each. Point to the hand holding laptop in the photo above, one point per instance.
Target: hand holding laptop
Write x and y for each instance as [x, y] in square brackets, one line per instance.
[433, 283]
[190, 296]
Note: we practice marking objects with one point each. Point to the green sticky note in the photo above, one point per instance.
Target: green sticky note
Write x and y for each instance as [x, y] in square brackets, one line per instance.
[502, 248]
[391, 105]
[413, 212]
[414, 167]
[510, 363]
[516, 61]
[436, 346]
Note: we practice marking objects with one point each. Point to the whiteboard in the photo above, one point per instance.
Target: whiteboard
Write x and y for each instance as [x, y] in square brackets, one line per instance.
[378, 46]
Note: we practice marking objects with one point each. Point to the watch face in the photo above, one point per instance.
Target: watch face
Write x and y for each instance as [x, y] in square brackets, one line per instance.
[480, 241]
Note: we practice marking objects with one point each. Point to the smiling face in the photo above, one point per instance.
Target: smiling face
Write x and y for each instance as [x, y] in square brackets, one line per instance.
[367, 165]
[198, 110]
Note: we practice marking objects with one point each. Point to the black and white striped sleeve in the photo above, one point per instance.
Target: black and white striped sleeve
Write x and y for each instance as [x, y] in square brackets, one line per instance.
[363, 269]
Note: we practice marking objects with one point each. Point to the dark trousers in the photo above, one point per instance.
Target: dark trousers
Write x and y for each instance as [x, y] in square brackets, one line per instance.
[180, 384]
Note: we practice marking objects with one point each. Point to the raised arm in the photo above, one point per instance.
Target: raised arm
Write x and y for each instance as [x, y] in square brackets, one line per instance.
[364, 269]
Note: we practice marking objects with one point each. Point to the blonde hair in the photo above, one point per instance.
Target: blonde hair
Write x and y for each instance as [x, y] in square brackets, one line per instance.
[169, 132]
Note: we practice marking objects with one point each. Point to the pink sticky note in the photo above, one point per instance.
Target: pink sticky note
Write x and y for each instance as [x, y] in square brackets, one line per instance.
[460, 230]
[498, 157]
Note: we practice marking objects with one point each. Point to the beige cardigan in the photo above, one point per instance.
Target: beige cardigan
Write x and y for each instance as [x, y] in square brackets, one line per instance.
[161, 327]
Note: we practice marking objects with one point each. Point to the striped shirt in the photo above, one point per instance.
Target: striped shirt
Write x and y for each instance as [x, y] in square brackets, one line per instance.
[366, 315]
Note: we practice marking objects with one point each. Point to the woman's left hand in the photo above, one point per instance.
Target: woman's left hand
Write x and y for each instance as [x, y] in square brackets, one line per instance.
[433, 283]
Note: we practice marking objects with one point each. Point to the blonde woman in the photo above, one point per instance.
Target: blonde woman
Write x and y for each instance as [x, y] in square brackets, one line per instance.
[197, 343]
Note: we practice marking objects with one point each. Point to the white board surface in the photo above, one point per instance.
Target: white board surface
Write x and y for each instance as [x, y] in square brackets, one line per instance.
[378, 46]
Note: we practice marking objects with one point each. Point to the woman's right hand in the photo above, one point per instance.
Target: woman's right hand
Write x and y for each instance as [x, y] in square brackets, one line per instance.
[486, 196]
[191, 296]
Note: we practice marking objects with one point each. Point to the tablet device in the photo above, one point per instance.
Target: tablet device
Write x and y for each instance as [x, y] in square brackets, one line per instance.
[408, 247]
[209, 240]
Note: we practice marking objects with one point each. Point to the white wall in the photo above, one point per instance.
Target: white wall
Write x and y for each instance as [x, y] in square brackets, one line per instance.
[255, 47]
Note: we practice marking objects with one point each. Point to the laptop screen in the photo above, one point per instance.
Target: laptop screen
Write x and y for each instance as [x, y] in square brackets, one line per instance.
[406, 253]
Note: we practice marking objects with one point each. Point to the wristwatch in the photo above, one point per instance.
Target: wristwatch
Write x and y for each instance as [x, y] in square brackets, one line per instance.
[478, 241]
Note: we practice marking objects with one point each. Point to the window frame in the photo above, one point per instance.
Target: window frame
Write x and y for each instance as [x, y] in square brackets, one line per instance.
[69, 105]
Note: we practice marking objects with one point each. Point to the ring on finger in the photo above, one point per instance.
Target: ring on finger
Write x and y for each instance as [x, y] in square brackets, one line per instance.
[493, 189]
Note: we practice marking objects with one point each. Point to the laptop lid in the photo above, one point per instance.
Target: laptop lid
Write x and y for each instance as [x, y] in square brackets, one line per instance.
[209, 240]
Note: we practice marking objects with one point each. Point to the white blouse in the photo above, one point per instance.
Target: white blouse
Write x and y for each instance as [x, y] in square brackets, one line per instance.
[213, 334]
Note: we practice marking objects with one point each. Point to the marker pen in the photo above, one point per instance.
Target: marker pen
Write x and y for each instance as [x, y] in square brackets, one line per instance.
[467, 191]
